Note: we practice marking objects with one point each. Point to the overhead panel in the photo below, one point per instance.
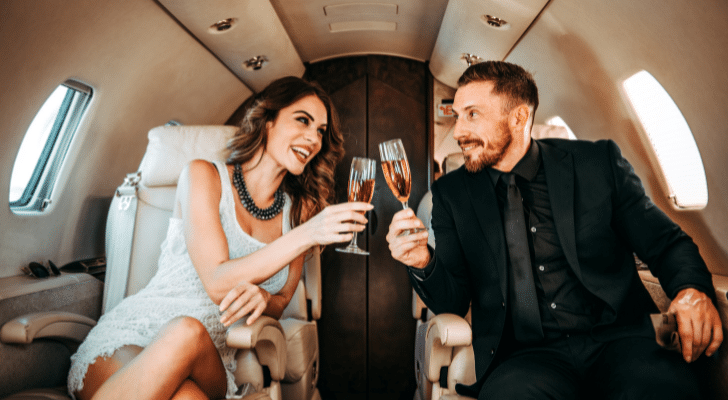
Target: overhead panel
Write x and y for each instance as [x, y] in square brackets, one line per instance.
[238, 31]
[322, 29]
[486, 29]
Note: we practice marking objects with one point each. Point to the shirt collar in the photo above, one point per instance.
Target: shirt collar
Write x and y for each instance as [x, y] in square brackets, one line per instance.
[526, 168]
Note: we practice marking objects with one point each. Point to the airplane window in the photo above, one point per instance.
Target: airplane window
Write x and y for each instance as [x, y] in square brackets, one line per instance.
[558, 121]
[671, 138]
[45, 145]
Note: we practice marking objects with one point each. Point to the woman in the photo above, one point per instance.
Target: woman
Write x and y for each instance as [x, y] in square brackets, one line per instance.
[235, 246]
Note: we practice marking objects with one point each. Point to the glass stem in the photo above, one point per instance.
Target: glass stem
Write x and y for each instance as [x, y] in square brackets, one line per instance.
[353, 240]
[404, 204]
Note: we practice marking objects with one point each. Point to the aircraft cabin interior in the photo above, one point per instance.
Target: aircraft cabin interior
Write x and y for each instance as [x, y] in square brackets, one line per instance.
[103, 103]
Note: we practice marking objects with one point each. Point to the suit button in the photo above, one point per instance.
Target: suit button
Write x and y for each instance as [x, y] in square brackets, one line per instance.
[492, 351]
[503, 304]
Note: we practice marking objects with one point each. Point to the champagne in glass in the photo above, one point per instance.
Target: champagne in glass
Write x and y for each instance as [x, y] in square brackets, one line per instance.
[396, 169]
[361, 188]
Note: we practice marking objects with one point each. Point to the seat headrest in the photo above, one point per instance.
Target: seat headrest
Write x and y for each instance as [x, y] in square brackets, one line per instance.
[452, 162]
[170, 148]
[539, 131]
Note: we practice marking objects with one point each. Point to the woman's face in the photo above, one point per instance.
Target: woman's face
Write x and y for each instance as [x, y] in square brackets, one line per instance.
[295, 136]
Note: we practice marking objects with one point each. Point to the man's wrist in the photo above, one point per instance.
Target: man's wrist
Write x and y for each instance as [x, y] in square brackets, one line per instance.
[422, 269]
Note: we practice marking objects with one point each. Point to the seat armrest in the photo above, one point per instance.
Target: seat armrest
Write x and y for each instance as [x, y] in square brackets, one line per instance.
[266, 336]
[52, 324]
[444, 332]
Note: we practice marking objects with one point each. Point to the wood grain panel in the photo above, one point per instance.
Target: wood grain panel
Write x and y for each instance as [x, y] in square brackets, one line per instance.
[396, 96]
[367, 331]
[343, 324]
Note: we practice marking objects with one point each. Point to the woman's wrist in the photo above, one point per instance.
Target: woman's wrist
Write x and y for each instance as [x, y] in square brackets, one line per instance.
[303, 237]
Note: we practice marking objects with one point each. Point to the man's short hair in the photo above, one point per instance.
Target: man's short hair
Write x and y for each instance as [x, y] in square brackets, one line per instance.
[509, 80]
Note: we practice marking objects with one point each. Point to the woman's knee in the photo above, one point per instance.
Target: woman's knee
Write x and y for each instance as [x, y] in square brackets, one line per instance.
[186, 331]
[189, 391]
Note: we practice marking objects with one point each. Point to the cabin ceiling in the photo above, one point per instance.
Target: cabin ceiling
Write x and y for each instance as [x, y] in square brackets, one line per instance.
[289, 33]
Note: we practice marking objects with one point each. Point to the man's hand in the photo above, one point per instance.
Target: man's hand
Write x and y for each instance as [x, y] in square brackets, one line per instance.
[408, 249]
[698, 323]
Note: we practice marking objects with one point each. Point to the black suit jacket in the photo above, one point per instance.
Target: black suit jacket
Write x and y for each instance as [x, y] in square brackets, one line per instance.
[602, 215]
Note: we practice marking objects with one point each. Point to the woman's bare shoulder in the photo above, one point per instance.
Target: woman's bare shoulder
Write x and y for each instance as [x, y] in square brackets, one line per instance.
[198, 181]
[200, 174]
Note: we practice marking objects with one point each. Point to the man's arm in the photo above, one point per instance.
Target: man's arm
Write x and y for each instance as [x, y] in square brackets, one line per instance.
[673, 258]
[439, 277]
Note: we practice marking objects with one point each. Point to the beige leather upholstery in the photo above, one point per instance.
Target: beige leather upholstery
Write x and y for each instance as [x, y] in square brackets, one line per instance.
[55, 324]
[549, 131]
[452, 162]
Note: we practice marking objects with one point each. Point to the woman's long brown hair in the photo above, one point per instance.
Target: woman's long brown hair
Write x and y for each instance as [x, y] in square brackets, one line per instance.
[312, 190]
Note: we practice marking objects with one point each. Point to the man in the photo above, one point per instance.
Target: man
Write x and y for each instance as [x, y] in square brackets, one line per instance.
[538, 238]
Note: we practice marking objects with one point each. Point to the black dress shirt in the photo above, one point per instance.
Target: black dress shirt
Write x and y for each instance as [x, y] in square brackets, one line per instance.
[566, 306]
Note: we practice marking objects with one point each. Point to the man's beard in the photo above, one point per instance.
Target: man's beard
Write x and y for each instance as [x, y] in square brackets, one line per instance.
[493, 153]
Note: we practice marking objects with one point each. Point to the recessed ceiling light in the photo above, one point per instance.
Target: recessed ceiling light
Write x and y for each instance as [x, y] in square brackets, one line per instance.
[495, 22]
[222, 25]
[255, 63]
[470, 59]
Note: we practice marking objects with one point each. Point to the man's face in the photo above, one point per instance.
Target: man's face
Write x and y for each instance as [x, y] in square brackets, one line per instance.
[481, 127]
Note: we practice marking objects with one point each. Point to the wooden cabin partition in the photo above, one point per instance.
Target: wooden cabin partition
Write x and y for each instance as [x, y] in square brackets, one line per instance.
[366, 331]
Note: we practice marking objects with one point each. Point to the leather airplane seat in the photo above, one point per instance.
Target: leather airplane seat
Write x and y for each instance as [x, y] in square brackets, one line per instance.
[136, 226]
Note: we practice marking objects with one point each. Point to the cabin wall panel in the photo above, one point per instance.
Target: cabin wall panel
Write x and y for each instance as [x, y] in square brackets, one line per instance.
[144, 69]
[580, 52]
[343, 323]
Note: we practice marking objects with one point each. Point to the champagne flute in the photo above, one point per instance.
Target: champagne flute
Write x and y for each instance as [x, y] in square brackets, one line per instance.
[397, 173]
[396, 169]
[361, 188]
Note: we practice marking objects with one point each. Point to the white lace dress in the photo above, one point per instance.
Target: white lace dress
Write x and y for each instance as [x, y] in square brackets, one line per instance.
[175, 290]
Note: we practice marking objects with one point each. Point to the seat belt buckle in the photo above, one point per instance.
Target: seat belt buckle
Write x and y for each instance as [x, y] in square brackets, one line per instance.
[128, 190]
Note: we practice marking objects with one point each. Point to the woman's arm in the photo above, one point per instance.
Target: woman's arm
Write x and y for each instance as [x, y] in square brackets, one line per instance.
[198, 200]
[246, 298]
[278, 302]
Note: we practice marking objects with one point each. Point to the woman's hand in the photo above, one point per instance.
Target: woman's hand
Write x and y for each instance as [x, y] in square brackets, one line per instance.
[335, 224]
[245, 298]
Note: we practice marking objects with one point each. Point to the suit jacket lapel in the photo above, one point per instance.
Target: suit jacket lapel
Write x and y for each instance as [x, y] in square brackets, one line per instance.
[482, 197]
[559, 168]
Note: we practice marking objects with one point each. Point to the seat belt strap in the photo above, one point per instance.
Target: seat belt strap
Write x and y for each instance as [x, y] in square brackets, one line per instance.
[119, 237]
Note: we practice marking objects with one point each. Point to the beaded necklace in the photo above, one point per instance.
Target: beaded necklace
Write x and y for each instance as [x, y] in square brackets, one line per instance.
[249, 204]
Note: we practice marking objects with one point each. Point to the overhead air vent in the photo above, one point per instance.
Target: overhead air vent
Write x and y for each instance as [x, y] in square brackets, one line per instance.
[361, 17]
[362, 26]
[360, 9]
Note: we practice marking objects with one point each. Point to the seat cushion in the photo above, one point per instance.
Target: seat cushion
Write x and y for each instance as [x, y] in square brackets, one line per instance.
[301, 345]
[40, 394]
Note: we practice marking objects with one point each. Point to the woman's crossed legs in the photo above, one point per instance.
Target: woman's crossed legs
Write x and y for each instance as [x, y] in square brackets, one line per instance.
[181, 362]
